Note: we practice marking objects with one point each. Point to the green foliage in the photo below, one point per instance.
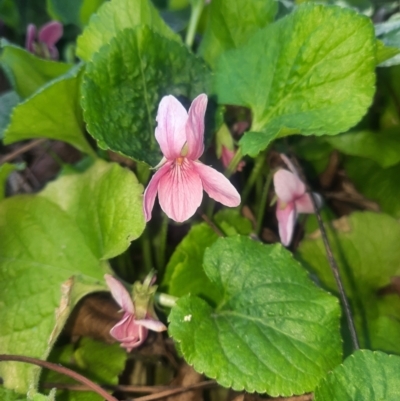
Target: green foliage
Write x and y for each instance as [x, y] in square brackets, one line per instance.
[106, 204]
[8, 100]
[232, 23]
[40, 254]
[26, 72]
[124, 83]
[364, 376]
[376, 183]
[314, 63]
[100, 362]
[75, 12]
[88, 8]
[5, 170]
[231, 222]
[39, 116]
[366, 248]
[50, 258]
[9, 13]
[386, 55]
[273, 331]
[9, 395]
[118, 15]
[184, 273]
[383, 146]
[389, 33]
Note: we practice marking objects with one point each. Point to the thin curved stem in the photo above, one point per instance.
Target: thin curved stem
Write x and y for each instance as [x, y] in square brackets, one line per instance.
[59, 369]
[336, 274]
[255, 172]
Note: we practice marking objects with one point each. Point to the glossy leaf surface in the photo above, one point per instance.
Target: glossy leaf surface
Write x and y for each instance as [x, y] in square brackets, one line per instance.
[364, 376]
[273, 331]
[118, 15]
[299, 74]
[124, 84]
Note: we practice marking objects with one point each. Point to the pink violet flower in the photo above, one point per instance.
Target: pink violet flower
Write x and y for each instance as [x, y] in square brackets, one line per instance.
[43, 44]
[181, 177]
[292, 200]
[132, 330]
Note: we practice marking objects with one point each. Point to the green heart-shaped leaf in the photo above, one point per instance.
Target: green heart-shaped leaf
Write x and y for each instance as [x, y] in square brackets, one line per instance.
[274, 331]
[124, 83]
[299, 74]
[106, 204]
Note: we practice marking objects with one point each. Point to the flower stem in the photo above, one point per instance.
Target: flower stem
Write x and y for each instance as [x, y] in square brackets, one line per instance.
[146, 249]
[162, 244]
[197, 8]
[336, 274]
[62, 370]
[166, 300]
[262, 206]
[255, 172]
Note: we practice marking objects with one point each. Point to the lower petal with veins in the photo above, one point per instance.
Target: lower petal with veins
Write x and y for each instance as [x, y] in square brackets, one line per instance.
[180, 191]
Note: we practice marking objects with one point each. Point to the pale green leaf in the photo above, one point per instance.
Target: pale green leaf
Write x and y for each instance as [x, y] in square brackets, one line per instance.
[106, 204]
[118, 15]
[298, 74]
[364, 376]
[376, 183]
[184, 273]
[9, 395]
[45, 268]
[124, 83]
[232, 23]
[383, 146]
[273, 331]
[52, 112]
[365, 246]
[26, 72]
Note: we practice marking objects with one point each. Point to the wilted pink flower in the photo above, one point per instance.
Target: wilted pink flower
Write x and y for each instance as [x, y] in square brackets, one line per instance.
[181, 177]
[131, 331]
[43, 44]
[226, 157]
[292, 199]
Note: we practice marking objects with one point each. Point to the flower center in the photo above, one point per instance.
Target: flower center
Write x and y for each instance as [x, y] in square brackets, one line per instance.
[180, 160]
[282, 205]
